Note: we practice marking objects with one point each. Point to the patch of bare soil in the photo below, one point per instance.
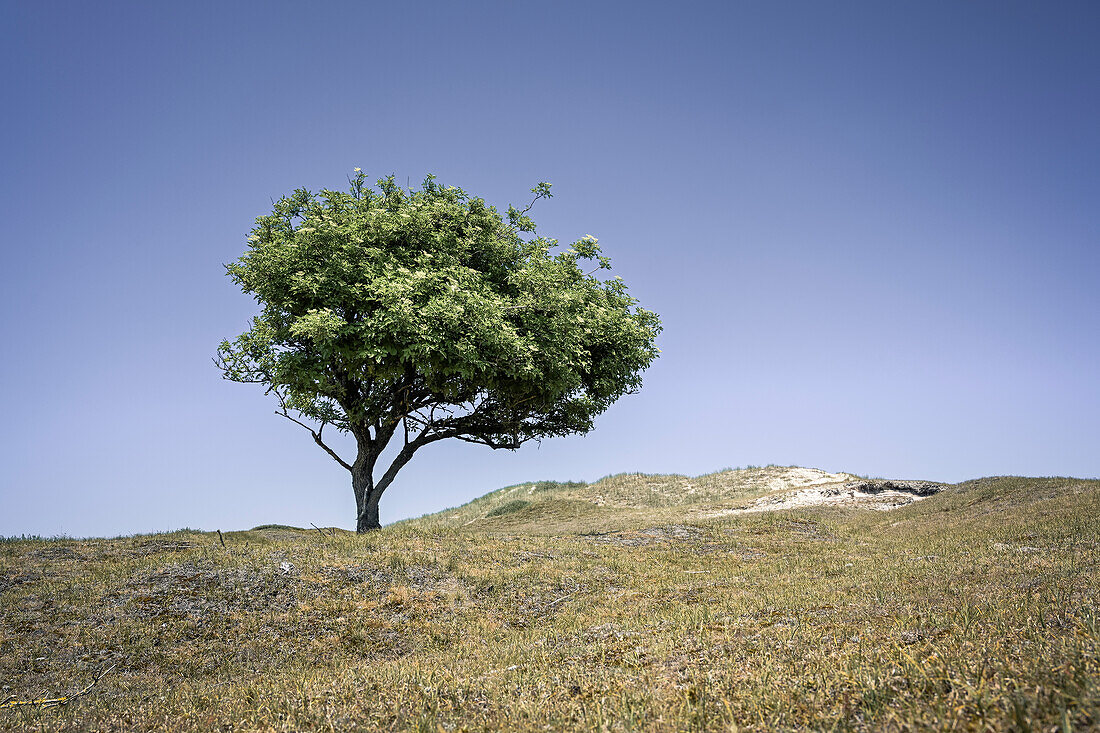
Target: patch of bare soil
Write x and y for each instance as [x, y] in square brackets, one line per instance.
[686, 538]
[192, 590]
[674, 532]
[651, 536]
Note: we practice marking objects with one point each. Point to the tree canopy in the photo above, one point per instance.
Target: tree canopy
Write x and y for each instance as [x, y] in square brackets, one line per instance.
[426, 314]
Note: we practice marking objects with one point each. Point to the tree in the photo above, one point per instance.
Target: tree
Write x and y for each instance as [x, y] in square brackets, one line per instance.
[425, 314]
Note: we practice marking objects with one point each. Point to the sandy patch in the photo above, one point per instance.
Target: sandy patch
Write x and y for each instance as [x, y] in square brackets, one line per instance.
[789, 478]
[830, 497]
[838, 491]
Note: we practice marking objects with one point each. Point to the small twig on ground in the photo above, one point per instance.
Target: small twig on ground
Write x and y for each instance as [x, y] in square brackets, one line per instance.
[220, 538]
[551, 604]
[55, 701]
[331, 532]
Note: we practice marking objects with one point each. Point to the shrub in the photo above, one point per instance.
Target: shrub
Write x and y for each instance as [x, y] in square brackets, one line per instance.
[512, 506]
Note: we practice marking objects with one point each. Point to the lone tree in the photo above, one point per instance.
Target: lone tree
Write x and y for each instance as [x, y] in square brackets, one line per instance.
[425, 314]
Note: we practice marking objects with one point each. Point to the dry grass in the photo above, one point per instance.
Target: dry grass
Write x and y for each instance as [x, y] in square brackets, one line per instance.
[975, 609]
[551, 507]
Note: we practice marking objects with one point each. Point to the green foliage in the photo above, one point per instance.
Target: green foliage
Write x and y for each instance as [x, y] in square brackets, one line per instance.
[429, 306]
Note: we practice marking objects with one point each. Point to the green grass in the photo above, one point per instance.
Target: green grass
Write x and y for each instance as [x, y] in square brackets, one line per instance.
[508, 508]
[975, 609]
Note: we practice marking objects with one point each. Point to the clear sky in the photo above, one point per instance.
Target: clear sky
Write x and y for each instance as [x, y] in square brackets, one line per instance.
[871, 230]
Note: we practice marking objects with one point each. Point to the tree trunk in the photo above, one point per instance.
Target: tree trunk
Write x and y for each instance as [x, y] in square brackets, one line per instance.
[366, 499]
[368, 516]
[367, 491]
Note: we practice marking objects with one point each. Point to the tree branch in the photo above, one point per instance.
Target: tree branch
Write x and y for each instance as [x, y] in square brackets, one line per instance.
[405, 456]
[315, 433]
[511, 444]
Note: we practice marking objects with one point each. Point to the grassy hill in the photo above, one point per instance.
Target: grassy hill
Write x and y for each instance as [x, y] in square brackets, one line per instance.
[634, 603]
[622, 500]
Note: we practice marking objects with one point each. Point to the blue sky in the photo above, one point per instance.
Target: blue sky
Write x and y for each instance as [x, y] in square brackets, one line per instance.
[870, 230]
